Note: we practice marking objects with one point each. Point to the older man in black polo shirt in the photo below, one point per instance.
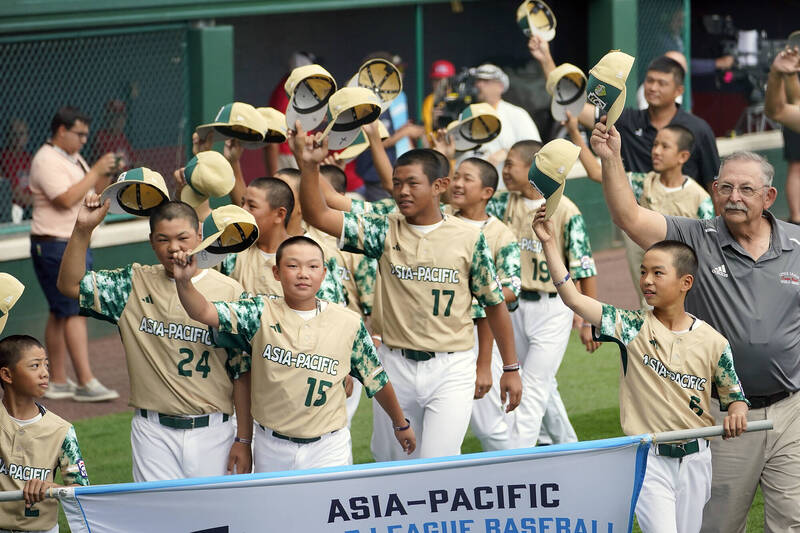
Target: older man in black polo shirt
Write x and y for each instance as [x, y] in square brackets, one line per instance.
[663, 84]
[747, 287]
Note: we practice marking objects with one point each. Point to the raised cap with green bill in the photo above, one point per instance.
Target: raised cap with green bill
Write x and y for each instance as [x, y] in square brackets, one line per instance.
[236, 120]
[10, 291]
[534, 17]
[349, 109]
[137, 191]
[228, 229]
[548, 173]
[605, 88]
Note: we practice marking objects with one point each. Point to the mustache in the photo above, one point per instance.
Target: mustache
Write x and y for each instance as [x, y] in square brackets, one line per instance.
[735, 206]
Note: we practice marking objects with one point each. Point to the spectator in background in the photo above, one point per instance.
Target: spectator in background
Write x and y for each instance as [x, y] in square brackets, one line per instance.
[782, 77]
[112, 137]
[277, 156]
[441, 72]
[15, 166]
[641, 101]
[517, 124]
[791, 152]
[59, 180]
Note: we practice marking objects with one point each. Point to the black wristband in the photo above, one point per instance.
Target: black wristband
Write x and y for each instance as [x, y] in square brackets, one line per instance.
[403, 428]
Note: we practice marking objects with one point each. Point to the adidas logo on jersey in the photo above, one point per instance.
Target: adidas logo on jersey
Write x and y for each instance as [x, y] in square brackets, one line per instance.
[720, 271]
[276, 327]
[147, 299]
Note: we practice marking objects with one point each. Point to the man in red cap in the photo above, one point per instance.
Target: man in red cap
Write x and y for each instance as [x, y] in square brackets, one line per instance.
[441, 72]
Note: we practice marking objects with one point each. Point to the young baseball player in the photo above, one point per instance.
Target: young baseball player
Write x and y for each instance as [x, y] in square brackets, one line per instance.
[183, 389]
[33, 441]
[542, 323]
[430, 267]
[271, 202]
[670, 359]
[474, 183]
[302, 348]
[665, 189]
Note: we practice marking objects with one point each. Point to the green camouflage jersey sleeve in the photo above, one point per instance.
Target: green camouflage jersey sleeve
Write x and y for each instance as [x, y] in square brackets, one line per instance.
[239, 321]
[636, 179]
[622, 324]
[476, 311]
[365, 234]
[331, 288]
[238, 361]
[498, 205]
[365, 365]
[104, 293]
[365, 277]
[728, 385]
[228, 264]
[509, 268]
[378, 207]
[357, 206]
[484, 284]
[70, 461]
[578, 249]
[705, 210]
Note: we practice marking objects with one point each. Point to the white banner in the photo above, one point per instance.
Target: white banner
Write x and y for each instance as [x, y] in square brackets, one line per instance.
[588, 487]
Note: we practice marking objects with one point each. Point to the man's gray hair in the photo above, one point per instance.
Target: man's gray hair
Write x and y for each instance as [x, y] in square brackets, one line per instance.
[767, 170]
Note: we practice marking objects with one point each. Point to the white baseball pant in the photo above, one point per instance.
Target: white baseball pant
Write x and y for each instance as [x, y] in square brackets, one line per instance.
[352, 402]
[541, 334]
[674, 492]
[274, 454]
[161, 452]
[436, 396]
[556, 427]
[489, 421]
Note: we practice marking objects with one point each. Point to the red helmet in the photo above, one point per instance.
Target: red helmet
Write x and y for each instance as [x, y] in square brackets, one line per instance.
[442, 68]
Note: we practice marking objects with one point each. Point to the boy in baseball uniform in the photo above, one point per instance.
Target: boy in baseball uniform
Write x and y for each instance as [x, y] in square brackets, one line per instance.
[183, 389]
[542, 323]
[665, 189]
[34, 442]
[670, 360]
[271, 202]
[430, 266]
[302, 348]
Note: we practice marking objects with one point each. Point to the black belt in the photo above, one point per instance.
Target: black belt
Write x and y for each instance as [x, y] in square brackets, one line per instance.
[418, 355]
[680, 450]
[47, 238]
[535, 296]
[183, 422]
[296, 440]
[759, 402]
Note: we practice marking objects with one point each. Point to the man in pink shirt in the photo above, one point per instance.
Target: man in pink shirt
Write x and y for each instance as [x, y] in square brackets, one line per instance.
[59, 180]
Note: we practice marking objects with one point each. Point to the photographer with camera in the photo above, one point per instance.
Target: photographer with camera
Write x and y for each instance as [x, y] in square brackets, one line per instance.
[491, 82]
[59, 180]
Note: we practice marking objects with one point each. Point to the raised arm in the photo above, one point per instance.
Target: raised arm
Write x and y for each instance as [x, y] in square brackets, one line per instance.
[776, 106]
[379, 157]
[196, 305]
[589, 162]
[588, 308]
[233, 153]
[73, 263]
[309, 151]
[95, 181]
[642, 225]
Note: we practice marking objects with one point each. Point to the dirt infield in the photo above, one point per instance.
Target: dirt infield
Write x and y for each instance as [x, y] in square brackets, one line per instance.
[108, 362]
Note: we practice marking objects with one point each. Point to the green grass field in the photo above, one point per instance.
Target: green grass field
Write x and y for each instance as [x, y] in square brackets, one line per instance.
[587, 382]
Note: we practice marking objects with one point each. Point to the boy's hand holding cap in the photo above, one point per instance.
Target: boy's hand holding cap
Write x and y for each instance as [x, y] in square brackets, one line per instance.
[548, 173]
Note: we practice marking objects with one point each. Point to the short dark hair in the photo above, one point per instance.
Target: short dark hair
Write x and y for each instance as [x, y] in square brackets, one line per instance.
[486, 171]
[427, 159]
[292, 173]
[685, 137]
[12, 348]
[684, 259]
[669, 66]
[67, 116]
[172, 210]
[444, 163]
[297, 239]
[526, 149]
[278, 194]
[336, 177]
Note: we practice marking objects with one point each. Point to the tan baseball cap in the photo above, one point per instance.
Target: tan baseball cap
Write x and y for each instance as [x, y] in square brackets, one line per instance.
[137, 191]
[477, 124]
[381, 77]
[236, 120]
[10, 291]
[605, 88]
[208, 175]
[567, 85]
[276, 128]
[793, 40]
[360, 144]
[228, 229]
[349, 109]
[548, 173]
[309, 88]
[534, 17]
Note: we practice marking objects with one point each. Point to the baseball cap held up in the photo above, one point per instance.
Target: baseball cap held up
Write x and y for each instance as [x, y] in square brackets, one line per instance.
[548, 173]
[605, 88]
[137, 191]
[534, 17]
[381, 77]
[228, 229]
[208, 175]
[236, 120]
[10, 291]
[567, 85]
[349, 109]
[309, 88]
[477, 124]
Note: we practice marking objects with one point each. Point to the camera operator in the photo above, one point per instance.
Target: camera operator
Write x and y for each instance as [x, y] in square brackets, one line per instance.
[491, 82]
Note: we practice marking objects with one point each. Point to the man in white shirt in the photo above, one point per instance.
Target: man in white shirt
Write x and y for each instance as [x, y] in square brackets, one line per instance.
[517, 124]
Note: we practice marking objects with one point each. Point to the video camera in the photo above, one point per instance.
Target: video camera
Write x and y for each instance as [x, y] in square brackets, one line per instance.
[454, 96]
